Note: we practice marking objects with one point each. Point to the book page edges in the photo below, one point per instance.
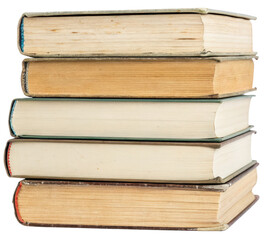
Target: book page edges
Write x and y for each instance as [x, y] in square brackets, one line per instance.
[217, 180]
[216, 228]
[203, 11]
[27, 61]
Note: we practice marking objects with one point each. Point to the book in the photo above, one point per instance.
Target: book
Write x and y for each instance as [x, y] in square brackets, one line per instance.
[135, 161]
[166, 32]
[134, 205]
[195, 77]
[130, 119]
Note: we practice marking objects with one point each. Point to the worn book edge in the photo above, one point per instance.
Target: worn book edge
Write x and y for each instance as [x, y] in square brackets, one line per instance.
[203, 11]
[25, 64]
[215, 188]
[221, 227]
[139, 58]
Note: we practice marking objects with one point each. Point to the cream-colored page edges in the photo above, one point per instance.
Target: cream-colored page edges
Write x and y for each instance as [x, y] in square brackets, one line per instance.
[159, 34]
[231, 157]
[110, 161]
[227, 34]
[115, 119]
[232, 116]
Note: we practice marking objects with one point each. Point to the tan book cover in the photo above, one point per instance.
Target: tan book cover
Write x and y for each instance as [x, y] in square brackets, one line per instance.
[118, 205]
[194, 77]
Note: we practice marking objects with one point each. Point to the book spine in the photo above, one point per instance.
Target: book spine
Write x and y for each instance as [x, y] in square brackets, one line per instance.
[11, 127]
[7, 159]
[20, 35]
[15, 202]
[24, 78]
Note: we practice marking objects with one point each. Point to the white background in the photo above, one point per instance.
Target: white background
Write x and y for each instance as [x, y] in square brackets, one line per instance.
[251, 225]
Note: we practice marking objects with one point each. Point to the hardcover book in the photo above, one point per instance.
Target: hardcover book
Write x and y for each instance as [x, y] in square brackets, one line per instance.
[194, 77]
[137, 121]
[134, 205]
[167, 32]
[135, 161]
[131, 119]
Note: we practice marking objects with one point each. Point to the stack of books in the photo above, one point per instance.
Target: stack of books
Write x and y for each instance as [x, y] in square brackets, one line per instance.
[138, 120]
